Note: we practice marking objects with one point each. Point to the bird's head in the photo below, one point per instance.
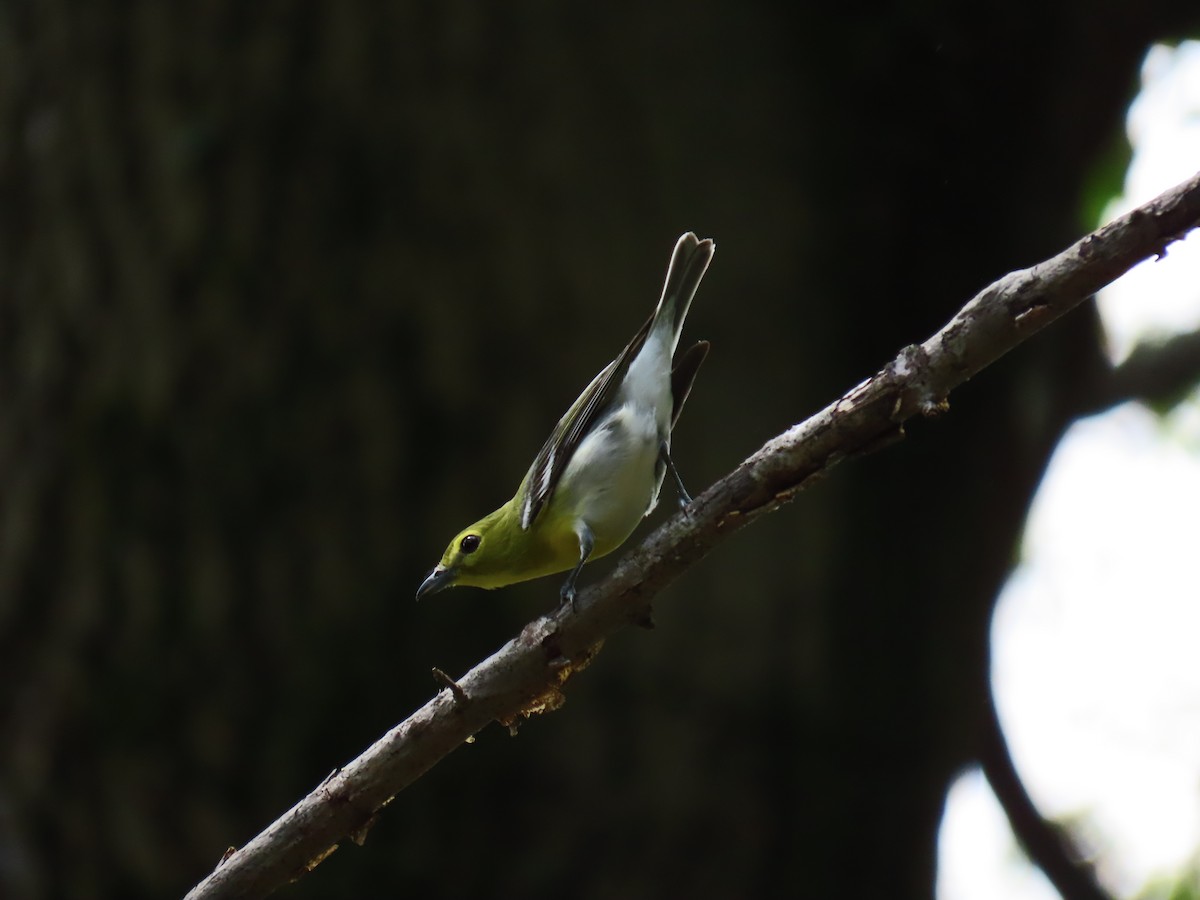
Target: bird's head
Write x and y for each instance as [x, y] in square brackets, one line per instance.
[481, 555]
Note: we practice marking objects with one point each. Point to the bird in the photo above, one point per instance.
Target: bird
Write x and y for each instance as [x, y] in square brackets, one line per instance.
[600, 471]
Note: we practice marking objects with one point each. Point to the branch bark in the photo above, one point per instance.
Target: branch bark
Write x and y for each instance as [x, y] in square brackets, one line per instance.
[527, 675]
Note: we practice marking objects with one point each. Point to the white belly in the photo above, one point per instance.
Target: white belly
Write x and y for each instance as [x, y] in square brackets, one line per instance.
[611, 481]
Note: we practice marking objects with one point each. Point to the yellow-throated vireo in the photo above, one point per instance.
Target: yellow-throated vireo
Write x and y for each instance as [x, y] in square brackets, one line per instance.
[601, 469]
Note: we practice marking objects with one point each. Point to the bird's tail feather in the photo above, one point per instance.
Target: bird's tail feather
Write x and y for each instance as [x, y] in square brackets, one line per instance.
[689, 262]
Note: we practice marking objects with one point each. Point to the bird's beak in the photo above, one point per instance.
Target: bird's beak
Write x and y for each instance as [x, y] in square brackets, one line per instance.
[435, 581]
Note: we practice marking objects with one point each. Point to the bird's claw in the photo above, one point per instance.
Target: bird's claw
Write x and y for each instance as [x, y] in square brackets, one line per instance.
[567, 597]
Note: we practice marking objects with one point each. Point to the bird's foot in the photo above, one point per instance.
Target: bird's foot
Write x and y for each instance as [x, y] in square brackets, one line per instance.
[685, 499]
[567, 596]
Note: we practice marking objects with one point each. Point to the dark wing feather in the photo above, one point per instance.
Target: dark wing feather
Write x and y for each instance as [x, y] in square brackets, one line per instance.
[683, 374]
[552, 459]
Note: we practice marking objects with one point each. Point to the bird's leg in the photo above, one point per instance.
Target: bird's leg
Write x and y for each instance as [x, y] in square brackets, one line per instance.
[586, 542]
[664, 453]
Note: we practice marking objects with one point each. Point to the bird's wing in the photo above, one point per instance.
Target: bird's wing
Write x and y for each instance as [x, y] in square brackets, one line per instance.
[689, 261]
[684, 374]
[552, 459]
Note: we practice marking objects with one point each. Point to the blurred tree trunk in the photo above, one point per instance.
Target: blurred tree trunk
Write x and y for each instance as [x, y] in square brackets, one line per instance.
[285, 284]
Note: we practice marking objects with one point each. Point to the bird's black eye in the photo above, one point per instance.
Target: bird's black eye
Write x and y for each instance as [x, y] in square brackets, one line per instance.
[469, 543]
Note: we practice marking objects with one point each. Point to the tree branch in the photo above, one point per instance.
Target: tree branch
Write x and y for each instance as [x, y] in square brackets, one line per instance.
[1158, 373]
[526, 676]
[1049, 846]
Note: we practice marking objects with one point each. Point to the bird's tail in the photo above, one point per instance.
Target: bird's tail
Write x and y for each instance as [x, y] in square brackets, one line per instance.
[689, 262]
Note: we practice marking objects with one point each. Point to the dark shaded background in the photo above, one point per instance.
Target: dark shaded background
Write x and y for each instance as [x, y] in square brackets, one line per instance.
[293, 291]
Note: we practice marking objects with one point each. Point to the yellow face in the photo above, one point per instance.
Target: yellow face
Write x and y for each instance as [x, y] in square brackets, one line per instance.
[479, 556]
[463, 549]
[455, 562]
[495, 552]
